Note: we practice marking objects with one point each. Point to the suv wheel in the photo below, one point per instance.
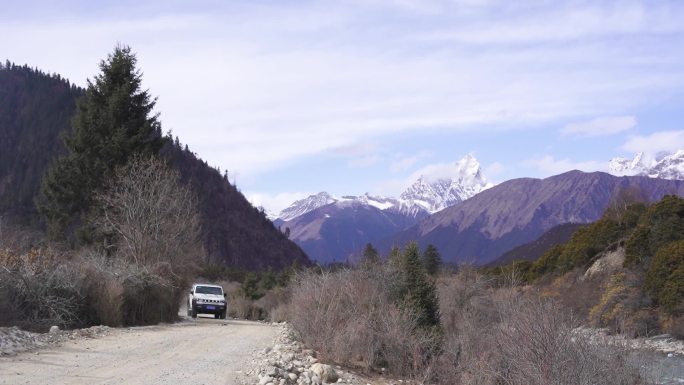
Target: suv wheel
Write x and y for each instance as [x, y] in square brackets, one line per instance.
[193, 313]
[222, 315]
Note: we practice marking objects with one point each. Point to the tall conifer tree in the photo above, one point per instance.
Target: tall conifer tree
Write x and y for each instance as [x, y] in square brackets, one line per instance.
[114, 120]
[421, 293]
[432, 260]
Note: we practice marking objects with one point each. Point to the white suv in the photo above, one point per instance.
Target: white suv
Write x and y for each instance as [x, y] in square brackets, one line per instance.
[207, 299]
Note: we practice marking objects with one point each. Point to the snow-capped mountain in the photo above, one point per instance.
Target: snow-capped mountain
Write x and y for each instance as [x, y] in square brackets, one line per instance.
[665, 166]
[438, 194]
[425, 196]
[305, 205]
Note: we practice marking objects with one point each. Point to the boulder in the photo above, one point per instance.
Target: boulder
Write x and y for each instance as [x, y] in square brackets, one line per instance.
[326, 373]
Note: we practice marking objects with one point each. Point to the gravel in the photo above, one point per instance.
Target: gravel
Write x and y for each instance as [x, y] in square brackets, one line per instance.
[287, 362]
[14, 340]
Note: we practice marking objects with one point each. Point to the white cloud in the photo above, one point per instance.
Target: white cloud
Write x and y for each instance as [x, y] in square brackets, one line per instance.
[493, 170]
[275, 203]
[669, 141]
[253, 87]
[603, 126]
[403, 163]
[548, 165]
[364, 161]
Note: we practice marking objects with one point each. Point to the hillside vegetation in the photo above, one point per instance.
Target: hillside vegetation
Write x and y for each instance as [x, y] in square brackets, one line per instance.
[628, 267]
[36, 113]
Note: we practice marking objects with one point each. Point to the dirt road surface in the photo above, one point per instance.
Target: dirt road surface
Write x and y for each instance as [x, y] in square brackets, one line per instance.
[201, 351]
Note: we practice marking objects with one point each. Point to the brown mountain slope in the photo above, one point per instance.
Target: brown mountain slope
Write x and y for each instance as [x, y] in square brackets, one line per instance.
[531, 251]
[520, 210]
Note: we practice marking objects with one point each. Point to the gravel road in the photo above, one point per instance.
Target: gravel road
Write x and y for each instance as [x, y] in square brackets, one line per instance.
[201, 351]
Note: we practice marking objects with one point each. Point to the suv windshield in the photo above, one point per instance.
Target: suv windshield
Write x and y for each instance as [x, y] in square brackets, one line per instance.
[208, 290]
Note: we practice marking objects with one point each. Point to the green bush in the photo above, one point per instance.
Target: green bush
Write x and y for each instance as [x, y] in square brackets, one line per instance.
[660, 224]
[665, 277]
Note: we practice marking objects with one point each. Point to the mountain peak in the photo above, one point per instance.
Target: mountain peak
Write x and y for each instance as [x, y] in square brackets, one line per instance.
[465, 179]
[303, 206]
[428, 194]
[665, 165]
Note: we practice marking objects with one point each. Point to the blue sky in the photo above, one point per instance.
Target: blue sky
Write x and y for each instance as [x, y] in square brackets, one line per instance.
[295, 97]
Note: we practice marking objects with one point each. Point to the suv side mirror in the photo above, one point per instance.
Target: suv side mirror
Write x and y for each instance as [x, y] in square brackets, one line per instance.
[225, 294]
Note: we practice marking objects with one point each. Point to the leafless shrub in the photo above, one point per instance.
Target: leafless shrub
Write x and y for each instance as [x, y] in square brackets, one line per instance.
[676, 327]
[275, 304]
[37, 289]
[150, 221]
[152, 218]
[245, 308]
[511, 336]
[348, 316]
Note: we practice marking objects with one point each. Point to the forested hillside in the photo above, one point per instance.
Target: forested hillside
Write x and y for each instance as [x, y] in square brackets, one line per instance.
[624, 271]
[36, 110]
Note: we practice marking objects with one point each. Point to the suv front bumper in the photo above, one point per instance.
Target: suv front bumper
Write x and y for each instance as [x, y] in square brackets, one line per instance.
[210, 307]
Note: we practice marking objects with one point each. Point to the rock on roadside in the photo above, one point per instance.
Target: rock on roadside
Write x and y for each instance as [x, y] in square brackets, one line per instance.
[14, 340]
[286, 362]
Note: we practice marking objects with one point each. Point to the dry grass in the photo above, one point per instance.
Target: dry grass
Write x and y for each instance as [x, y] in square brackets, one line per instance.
[490, 335]
[350, 317]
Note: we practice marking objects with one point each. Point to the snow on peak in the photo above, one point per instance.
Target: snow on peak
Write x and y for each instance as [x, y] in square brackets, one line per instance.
[305, 205]
[624, 166]
[665, 166]
[440, 193]
[427, 195]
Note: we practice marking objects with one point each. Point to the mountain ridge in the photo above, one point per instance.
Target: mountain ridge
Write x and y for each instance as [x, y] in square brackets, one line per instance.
[664, 165]
[425, 196]
[520, 210]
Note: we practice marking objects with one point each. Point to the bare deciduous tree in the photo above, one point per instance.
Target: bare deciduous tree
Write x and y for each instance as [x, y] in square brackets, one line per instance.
[152, 217]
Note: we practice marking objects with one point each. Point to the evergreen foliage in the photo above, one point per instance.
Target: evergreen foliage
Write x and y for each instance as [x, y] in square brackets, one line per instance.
[370, 255]
[660, 224]
[114, 121]
[250, 287]
[420, 292]
[432, 260]
[653, 238]
[35, 109]
[665, 277]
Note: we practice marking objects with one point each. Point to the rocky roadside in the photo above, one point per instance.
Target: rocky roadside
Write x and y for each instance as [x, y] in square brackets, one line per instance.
[663, 343]
[287, 362]
[14, 340]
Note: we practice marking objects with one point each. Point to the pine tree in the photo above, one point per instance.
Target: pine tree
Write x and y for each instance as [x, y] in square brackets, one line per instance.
[421, 294]
[250, 287]
[432, 260]
[370, 255]
[114, 120]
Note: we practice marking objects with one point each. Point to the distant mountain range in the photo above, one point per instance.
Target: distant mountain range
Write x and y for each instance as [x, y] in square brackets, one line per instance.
[520, 210]
[664, 165]
[425, 196]
[331, 228]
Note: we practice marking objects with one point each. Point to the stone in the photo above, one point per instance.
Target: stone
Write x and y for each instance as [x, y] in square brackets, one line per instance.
[325, 372]
[265, 380]
[54, 329]
[292, 376]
